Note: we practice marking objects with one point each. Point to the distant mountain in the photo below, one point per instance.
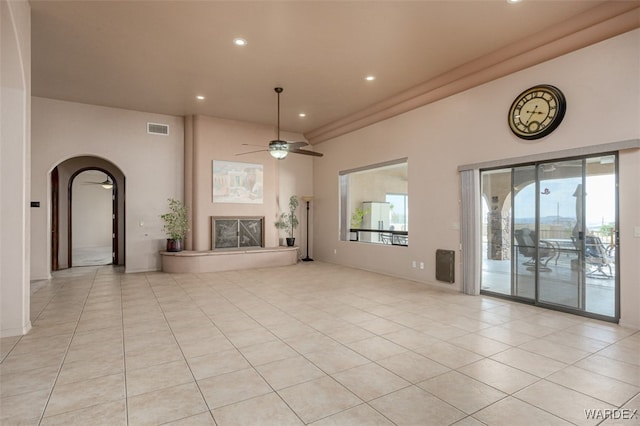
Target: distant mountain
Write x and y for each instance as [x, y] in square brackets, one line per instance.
[555, 220]
[548, 220]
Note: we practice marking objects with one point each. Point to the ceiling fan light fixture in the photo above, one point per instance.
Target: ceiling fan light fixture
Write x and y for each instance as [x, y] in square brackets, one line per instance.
[107, 184]
[278, 149]
[280, 155]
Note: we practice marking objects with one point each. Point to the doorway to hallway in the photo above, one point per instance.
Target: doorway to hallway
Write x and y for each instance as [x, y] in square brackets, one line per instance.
[92, 224]
[87, 213]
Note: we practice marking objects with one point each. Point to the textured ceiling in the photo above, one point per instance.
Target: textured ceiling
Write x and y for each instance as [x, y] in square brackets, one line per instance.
[156, 56]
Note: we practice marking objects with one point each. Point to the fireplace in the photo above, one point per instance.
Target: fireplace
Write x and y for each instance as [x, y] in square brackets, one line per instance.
[239, 232]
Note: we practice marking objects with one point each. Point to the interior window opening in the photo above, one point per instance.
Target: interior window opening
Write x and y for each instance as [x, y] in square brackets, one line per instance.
[374, 204]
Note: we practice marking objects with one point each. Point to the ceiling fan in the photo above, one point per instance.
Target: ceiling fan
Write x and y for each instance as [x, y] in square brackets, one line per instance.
[106, 184]
[280, 149]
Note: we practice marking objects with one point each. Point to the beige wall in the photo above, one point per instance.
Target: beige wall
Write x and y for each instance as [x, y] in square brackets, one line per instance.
[219, 139]
[629, 205]
[296, 178]
[15, 151]
[602, 87]
[151, 164]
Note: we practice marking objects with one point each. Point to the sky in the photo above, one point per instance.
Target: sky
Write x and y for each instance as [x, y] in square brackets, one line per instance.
[557, 198]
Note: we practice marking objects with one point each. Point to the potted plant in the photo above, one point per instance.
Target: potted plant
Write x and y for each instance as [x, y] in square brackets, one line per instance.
[176, 224]
[357, 217]
[289, 221]
[356, 221]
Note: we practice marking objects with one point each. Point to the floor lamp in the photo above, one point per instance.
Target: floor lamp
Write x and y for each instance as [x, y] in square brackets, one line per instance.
[307, 199]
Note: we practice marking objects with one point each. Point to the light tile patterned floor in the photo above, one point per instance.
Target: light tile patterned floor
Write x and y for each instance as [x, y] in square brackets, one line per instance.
[308, 344]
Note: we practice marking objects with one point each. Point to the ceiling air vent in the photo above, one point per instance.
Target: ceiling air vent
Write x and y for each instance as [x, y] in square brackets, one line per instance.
[157, 129]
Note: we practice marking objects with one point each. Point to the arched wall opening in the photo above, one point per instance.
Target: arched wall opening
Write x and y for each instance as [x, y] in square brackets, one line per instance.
[64, 177]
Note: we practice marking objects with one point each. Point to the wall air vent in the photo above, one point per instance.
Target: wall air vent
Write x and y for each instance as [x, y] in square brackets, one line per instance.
[157, 129]
[445, 265]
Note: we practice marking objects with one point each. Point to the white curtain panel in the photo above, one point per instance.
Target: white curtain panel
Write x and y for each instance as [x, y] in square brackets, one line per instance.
[471, 238]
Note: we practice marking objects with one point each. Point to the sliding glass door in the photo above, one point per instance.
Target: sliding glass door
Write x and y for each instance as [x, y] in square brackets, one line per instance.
[560, 217]
[549, 234]
[523, 247]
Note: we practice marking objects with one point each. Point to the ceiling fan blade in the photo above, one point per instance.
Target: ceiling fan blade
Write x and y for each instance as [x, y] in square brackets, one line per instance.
[305, 152]
[296, 145]
[257, 146]
[279, 148]
[105, 182]
[252, 152]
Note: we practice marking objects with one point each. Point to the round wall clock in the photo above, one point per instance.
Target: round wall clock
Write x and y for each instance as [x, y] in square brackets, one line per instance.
[537, 111]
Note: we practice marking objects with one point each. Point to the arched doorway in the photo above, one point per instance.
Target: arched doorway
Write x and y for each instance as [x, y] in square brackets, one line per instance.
[87, 214]
[93, 218]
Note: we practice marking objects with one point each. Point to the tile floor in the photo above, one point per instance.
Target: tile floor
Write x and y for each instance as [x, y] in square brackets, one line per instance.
[91, 256]
[308, 344]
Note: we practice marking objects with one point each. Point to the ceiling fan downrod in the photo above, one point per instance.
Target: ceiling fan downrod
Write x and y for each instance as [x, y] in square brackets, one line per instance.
[278, 91]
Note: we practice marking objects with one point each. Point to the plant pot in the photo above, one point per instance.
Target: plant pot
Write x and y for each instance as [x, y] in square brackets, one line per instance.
[291, 242]
[174, 245]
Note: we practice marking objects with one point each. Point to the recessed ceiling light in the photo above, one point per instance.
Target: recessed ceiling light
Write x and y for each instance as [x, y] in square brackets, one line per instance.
[370, 78]
[514, 1]
[200, 97]
[302, 115]
[239, 42]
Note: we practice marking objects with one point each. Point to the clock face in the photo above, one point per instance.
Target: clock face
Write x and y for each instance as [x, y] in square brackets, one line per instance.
[537, 111]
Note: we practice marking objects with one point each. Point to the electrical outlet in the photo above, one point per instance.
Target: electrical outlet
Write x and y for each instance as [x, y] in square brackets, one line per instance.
[421, 265]
[413, 264]
[335, 251]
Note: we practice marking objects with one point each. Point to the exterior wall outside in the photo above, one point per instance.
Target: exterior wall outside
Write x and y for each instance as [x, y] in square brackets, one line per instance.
[372, 187]
[15, 151]
[602, 88]
[152, 165]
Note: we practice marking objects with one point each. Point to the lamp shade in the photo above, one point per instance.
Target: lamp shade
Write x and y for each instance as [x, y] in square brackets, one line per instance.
[306, 198]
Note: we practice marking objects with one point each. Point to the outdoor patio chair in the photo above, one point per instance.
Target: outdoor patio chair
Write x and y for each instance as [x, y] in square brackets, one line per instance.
[527, 247]
[386, 238]
[597, 257]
